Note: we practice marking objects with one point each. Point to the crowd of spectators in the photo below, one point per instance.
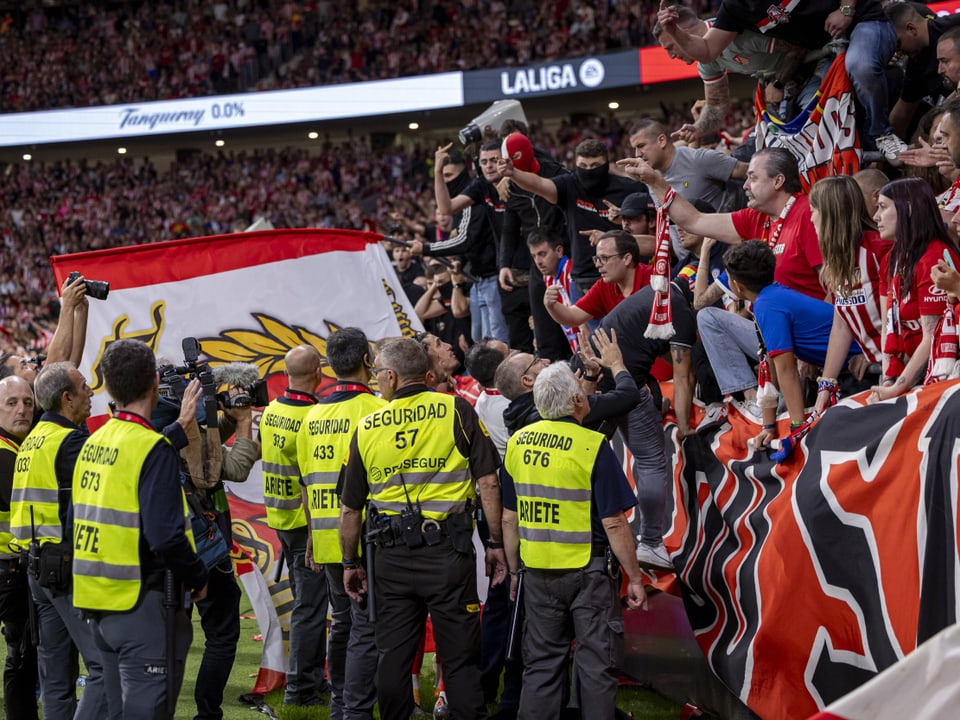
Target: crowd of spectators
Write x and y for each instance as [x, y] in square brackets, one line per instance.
[71, 206]
[106, 53]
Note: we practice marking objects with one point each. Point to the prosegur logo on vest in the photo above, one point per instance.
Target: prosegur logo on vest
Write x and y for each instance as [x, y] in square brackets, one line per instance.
[526, 81]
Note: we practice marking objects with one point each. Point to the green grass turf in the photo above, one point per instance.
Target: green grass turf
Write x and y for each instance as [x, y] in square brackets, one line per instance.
[643, 703]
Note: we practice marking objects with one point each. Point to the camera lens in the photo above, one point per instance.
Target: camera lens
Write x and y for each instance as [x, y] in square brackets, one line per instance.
[97, 289]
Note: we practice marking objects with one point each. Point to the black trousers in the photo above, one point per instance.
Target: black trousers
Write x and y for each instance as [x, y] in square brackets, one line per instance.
[551, 342]
[410, 583]
[220, 620]
[20, 672]
[515, 306]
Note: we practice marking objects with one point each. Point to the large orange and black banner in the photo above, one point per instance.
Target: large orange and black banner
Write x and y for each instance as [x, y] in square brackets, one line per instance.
[802, 581]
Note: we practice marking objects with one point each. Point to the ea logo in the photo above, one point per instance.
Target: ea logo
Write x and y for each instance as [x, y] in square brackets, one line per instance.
[592, 72]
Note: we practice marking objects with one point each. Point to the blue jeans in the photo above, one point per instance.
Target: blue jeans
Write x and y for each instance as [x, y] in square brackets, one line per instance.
[872, 44]
[486, 317]
[729, 341]
[642, 429]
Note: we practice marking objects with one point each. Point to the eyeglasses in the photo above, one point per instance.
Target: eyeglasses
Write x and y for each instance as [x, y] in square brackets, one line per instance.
[601, 260]
[536, 359]
[375, 371]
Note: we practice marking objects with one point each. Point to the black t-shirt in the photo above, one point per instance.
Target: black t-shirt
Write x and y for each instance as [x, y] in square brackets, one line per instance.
[586, 211]
[921, 78]
[484, 195]
[630, 318]
[478, 227]
[447, 327]
[526, 212]
[797, 21]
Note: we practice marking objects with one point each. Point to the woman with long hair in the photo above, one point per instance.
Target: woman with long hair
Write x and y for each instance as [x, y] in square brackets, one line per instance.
[907, 214]
[854, 271]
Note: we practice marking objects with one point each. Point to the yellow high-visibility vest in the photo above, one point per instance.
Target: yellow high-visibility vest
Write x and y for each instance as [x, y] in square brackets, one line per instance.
[551, 463]
[410, 455]
[106, 516]
[8, 543]
[279, 426]
[322, 448]
[35, 485]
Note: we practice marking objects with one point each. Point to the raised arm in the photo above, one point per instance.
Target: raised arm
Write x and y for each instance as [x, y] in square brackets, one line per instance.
[445, 204]
[716, 225]
[531, 182]
[703, 49]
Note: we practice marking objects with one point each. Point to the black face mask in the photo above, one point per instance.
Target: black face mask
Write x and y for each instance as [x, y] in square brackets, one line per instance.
[595, 179]
[458, 184]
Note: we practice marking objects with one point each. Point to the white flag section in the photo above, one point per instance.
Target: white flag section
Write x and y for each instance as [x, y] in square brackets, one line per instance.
[922, 686]
[273, 662]
[248, 297]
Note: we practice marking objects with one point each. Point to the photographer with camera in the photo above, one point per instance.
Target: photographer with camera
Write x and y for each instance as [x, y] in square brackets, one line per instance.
[68, 339]
[205, 463]
[42, 487]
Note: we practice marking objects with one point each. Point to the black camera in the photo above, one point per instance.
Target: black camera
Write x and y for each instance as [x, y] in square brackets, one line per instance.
[252, 395]
[97, 289]
[174, 379]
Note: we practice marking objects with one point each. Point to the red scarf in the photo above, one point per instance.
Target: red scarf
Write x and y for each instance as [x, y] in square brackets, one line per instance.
[893, 346]
[943, 350]
[660, 325]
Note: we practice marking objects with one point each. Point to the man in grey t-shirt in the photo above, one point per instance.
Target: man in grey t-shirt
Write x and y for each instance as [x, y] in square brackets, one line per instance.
[695, 173]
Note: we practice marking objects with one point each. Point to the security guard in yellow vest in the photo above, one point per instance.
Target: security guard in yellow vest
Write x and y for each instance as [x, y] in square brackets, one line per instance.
[419, 461]
[39, 505]
[322, 446]
[565, 497]
[20, 669]
[279, 425]
[129, 528]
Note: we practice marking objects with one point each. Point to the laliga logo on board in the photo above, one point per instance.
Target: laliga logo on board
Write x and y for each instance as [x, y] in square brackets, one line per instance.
[552, 77]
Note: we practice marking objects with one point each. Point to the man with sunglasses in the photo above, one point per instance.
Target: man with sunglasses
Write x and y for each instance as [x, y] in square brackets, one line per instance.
[621, 274]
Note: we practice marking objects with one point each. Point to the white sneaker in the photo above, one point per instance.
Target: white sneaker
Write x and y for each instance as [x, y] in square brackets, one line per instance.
[890, 146]
[715, 415]
[750, 410]
[654, 556]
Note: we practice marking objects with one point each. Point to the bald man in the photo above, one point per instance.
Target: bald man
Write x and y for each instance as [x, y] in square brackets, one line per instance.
[279, 425]
[20, 670]
[870, 182]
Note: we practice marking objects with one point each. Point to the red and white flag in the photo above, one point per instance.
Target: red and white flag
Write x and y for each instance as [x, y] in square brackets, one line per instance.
[247, 297]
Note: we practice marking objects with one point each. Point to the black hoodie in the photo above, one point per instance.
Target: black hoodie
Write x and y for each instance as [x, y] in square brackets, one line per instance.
[605, 406]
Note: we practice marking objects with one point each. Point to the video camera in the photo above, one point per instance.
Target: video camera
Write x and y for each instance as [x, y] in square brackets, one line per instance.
[174, 380]
[246, 379]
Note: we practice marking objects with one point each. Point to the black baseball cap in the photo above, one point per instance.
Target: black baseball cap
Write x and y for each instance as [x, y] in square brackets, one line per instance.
[637, 204]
